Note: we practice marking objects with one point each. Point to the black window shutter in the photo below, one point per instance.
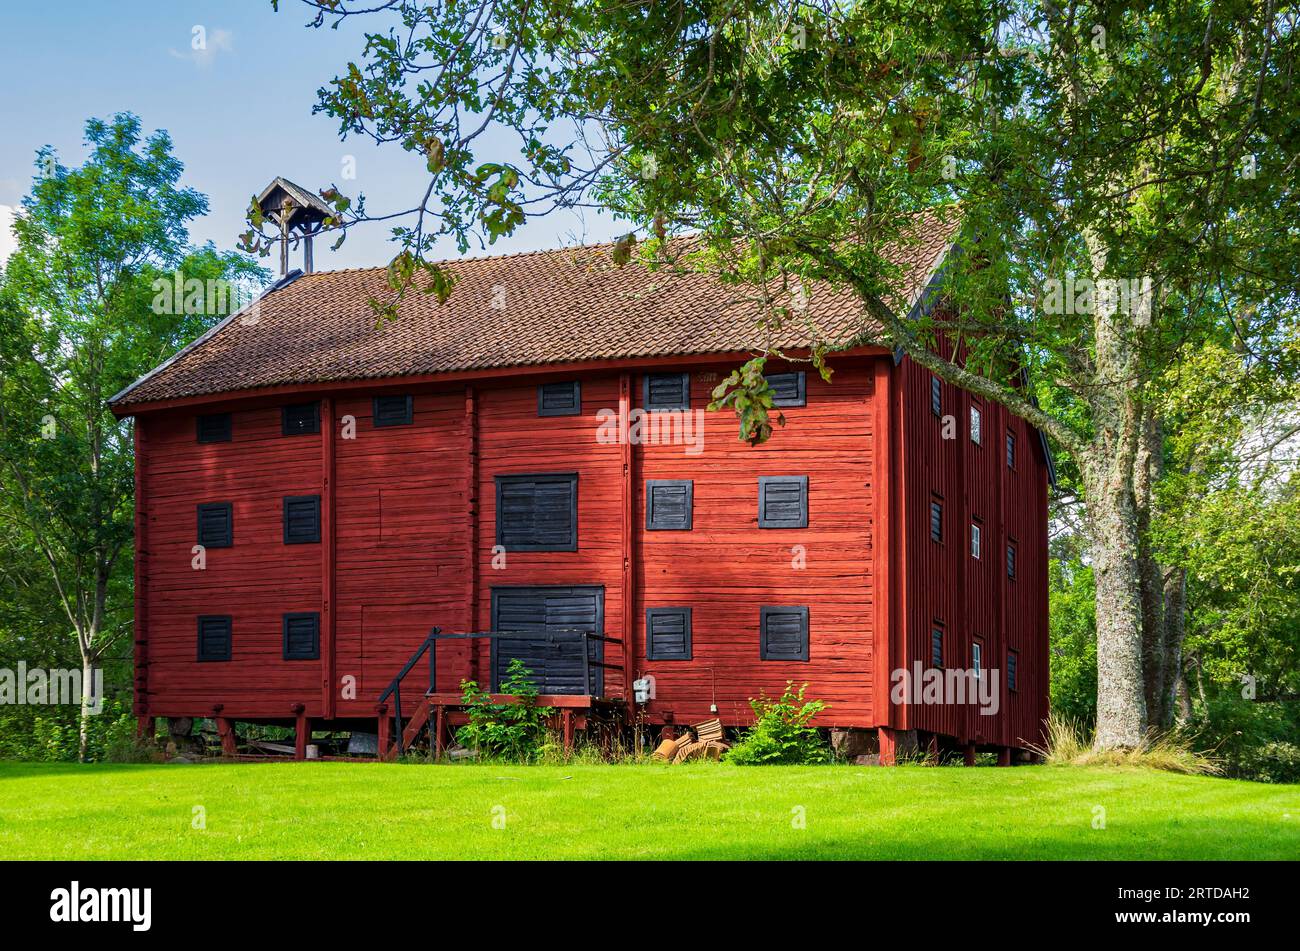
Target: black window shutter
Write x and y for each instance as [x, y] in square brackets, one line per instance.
[300, 419]
[214, 637]
[559, 399]
[783, 633]
[936, 396]
[668, 633]
[213, 427]
[936, 647]
[668, 504]
[667, 391]
[788, 389]
[1012, 663]
[301, 519]
[302, 636]
[537, 512]
[782, 501]
[393, 411]
[216, 525]
[936, 520]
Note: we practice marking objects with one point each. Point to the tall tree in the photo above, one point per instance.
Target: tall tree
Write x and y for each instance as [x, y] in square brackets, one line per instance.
[1125, 175]
[79, 310]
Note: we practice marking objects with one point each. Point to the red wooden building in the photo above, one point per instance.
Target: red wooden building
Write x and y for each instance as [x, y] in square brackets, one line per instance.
[532, 460]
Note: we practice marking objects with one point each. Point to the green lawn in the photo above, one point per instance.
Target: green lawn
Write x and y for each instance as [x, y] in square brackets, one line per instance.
[701, 810]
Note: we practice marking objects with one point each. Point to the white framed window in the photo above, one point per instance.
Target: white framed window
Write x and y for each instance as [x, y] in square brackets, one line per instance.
[975, 539]
[976, 436]
[977, 658]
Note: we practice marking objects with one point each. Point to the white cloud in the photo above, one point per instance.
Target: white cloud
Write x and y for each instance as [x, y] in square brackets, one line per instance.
[8, 243]
[205, 44]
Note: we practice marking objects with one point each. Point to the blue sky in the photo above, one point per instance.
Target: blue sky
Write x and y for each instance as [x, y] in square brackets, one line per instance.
[239, 112]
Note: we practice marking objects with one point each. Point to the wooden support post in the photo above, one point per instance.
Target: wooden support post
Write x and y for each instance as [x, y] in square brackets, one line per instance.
[384, 730]
[226, 730]
[888, 746]
[439, 730]
[932, 748]
[145, 723]
[471, 533]
[970, 754]
[567, 717]
[146, 727]
[1004, 756]
[627, 540]
[303, 734]
[328, 625]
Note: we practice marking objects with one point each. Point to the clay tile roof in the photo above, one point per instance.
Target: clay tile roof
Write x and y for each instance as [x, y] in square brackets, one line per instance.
[528, 309]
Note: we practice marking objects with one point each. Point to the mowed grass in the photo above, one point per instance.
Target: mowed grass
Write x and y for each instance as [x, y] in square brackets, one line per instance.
[693, 811]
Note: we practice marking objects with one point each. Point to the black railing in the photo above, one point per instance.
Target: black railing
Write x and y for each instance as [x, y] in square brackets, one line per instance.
[394, 688]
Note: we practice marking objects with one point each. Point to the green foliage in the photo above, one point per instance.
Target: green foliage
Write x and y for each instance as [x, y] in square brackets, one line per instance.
[1072, 627]
[782, 732]
[51, 734]
[515, 731]
[1253, 739]
[80, 320]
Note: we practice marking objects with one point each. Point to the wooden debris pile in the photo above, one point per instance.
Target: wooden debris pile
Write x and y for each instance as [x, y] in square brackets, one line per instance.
[705, 743]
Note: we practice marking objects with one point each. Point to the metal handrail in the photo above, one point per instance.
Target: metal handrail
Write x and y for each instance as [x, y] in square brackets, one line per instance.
[394, 688]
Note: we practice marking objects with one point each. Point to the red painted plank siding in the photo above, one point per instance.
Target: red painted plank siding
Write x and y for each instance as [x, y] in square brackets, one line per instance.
[973, 598]
[409, 528]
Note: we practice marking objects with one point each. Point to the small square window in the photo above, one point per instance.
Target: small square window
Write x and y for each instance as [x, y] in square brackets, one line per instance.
[214, 637]
[936, 396]
[213, 427]
[936, 520]
[537, 512]
[667, 391]
[302, 636]
[1013, 662]
[1011, 450]
[559, 399]
[216, 527]
[976, 420]
[301, 519]
[668, 633]
[788, 389]
[393, 411]
[936, 646]
[1011, 561]
[975, 539]
[300, 419]
[783, 633]
[668, 504]
[782, 501]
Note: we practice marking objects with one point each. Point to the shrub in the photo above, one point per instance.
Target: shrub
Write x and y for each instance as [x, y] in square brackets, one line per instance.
[781, 732]
[1253, 739]
[514, 731]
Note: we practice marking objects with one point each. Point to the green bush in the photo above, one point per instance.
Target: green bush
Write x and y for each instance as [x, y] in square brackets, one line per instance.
[515, 732]
[781, 732]
[1252, 739]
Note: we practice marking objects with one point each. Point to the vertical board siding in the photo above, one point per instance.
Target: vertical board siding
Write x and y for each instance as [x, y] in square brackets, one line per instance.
[973, 598]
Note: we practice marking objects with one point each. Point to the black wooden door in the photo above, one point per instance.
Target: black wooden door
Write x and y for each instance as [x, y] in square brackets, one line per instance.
[551, 619]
